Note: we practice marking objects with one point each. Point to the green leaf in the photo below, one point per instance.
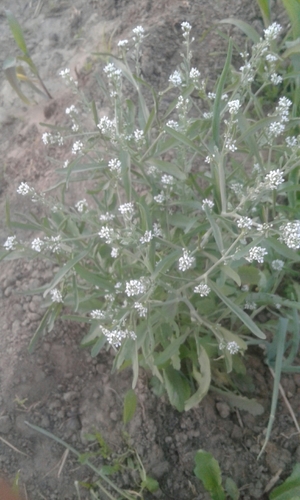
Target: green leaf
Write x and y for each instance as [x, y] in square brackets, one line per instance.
[230, 273]
[290, 489]
[130, 402]
[240, 402]
[65, 269]
[265, 10]
[166, 263]
[168, 168]
[283, 250]
[245, 27]
[177, 387]
[248, 322]
[93, 278]
[215, 229]
[293, 9]
[232, 489]
[150, 484]
[249, 275]
[9, 67]
[183, 139]
[173, 348]
[203, 379]
[208, 471]
[16, 31]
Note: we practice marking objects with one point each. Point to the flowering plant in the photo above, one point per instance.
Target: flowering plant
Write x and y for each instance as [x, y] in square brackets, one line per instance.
[190, 230]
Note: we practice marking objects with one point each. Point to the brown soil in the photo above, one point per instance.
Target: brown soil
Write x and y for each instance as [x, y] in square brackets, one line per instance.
[60, 387]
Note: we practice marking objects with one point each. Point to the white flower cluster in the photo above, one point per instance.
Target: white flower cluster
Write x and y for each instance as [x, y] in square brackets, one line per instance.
[244, 223]
[106, 217]
[142, 310]
[135, 287]
[167, 180]
[107, 127]
[37, 244]
[234, 106]
[250, 306]
[81, 205]
[66, 76]
[195, 75]
[272, 32]
[71, 109]
[139, 137]
[207, 203]
[160, 198]
[232, 346]
[10, 243]
[282, 112]
[277, 264]
[123, 43]
[175, 79]
[97, 314]
[127, 209]
[112, 71]
[292, 142]
[290, 234]
[107, 233]
[202, 289]
[230, 144]
[186, 27]
[117, 335]
[186, 261]
[273, 179]
[173, 124]
[77, 147]
[56, 295]
[114, 165]
[114, 252]
[149, 235]
[50, 139]
[257, 253]
[139, 34]
[25, 189]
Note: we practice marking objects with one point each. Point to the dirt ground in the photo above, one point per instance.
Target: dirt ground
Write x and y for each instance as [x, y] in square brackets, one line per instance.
[60, 387]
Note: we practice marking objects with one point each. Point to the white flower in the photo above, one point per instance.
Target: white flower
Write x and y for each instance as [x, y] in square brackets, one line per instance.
[211, 95]
[234, 106]
[135, 287]
[271, 58]
[194, 75]
[56, 296]
[142, 310]
[186, 261]
[185, 26]
[152, 170]
[122, 43]
[107, 233]
[10, 243]
[273, 179]
[232, 347]
[229, 144]
[127, 209]
[175, 79]
[37, 244]
[53, 244]
[139, 33]
[244, 223]
[75, 127]
[272, 32]
[107, 126]
[251, 306]
[207, 115]
[114, 165]
[207, 203]
[77, 147]
[64, 72]
[245, 288]
[117, 335]
[168, 180]
[139, 136]
[173, 124]
[275, 129]
[71, 110]
[202, 289]
[111, 71]
[291, 234]
[291, 141]
[159, 198]
[97, 314]
[66, 163]
[24, 189]
[114, 252]
[81, 205]
[106, 217]
[277, 265]
[157, 230]
[148, 236]
[46, 138]
[276, 79]
[257, 253]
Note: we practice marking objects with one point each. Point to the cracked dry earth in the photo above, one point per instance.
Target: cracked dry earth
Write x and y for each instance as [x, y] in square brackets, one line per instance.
[60, 387]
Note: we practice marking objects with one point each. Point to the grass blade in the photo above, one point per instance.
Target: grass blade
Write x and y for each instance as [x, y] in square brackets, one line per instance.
[16, 31]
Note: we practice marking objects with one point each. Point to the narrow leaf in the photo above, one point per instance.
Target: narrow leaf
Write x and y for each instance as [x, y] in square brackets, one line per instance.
[16, 31]
[130, 402]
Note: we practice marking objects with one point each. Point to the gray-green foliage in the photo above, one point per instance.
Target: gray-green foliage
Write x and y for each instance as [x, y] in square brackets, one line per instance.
[188, 227]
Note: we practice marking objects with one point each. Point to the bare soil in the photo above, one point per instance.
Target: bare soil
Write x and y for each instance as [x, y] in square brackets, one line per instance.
[60, 387]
